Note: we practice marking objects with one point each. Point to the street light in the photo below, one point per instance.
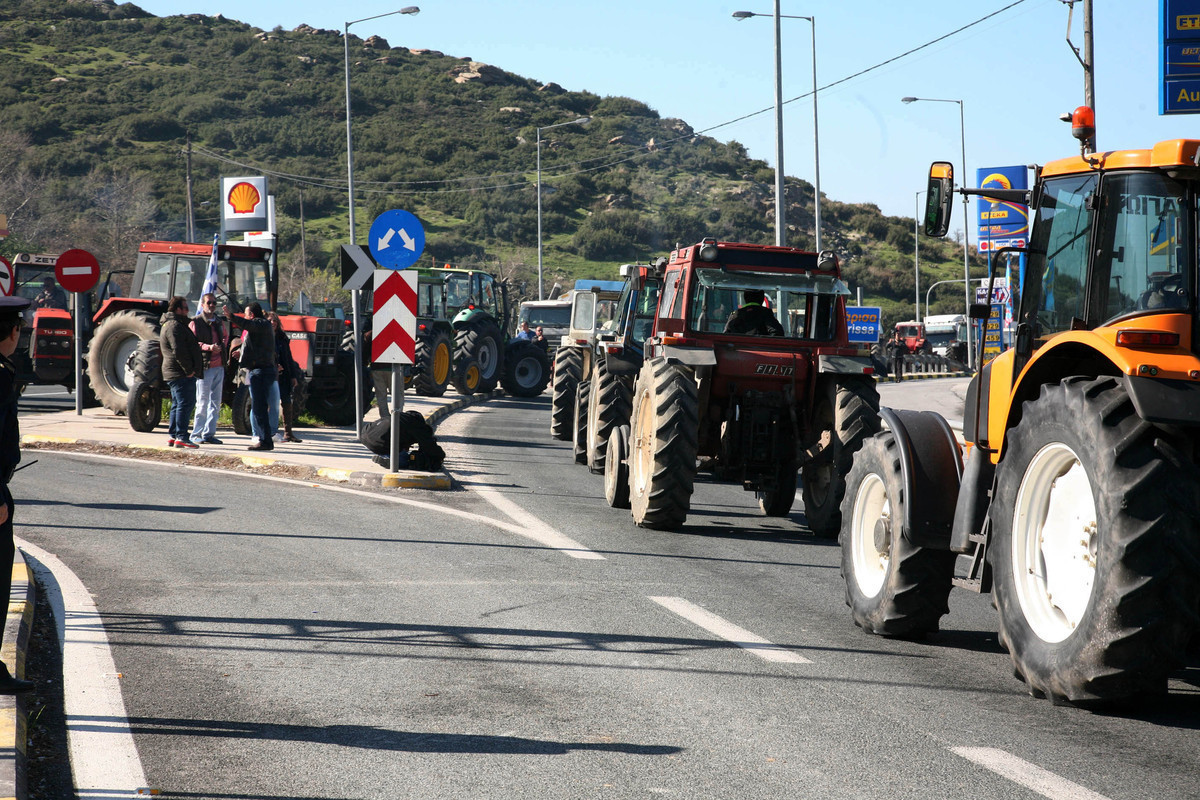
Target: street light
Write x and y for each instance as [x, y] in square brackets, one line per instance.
[917, 252]
[580, 121]
[358, 393]
[780, 215]
[962, 128]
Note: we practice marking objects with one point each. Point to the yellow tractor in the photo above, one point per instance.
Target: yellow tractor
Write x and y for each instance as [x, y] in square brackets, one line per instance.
[1076, 497]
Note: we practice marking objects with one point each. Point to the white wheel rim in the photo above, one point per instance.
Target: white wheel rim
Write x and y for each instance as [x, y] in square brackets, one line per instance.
[1053, 542]
[870, 564]
[641, 462]
[123, 362]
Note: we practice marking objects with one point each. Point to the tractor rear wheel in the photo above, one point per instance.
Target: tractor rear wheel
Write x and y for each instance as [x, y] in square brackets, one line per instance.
[335, 407]
[1094, 545]
[893, 587]
[478, 345]
[526, 369]
[663, 445]
[239, 410]
[609, 405]
[143, 406]
[109, 365]
[568, 367]
[845, 414]
[431, 373]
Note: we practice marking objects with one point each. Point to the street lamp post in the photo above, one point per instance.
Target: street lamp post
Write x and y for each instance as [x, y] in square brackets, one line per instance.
[780, 213]
[354, 295]
[917, 251]
[934, 286]
[580, 121]
[962, 128]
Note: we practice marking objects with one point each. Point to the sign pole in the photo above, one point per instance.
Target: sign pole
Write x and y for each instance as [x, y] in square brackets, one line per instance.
[78, 357]
[78, 272]
[397, 388]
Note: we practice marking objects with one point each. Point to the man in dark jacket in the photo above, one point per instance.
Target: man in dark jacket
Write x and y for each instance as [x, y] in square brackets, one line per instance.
[182, 363]
[258, 359]
[10, 455]
[753, 318]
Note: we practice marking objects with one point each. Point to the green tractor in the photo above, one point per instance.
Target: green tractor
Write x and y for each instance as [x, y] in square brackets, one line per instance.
[462, 319]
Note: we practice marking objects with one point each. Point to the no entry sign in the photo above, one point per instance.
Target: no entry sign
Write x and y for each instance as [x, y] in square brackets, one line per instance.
[77, 270]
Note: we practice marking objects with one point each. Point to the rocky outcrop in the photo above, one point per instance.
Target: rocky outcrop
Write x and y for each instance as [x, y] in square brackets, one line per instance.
[485, 74]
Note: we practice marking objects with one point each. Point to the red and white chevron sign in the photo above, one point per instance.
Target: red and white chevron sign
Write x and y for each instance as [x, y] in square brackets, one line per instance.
[394, 317]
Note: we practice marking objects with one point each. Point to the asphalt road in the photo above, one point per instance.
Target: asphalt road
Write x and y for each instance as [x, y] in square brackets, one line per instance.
[518, 638]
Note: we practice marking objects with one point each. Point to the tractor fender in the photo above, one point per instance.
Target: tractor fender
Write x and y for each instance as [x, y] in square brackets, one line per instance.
[690, 356]
[974, 497]
[931, 472]
[845, 365]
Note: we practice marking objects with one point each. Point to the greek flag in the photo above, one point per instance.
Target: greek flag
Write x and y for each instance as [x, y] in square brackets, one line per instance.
[210, 280]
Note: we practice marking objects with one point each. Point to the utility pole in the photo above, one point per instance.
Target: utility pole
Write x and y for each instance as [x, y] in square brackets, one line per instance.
[191, 217]
[1087, 61]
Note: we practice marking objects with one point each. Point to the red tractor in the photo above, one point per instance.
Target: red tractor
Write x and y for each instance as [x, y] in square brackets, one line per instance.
[752, 404]
[912, 334]
[116, 329]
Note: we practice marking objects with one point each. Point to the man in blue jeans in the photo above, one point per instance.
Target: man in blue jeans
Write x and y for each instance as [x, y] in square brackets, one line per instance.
[182, 363]
[257, 357]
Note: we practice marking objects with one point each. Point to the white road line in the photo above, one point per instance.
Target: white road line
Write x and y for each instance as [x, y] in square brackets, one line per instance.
[534, 528]
[104, 758]
[1032, 777]
[527, 525]
[727, 630]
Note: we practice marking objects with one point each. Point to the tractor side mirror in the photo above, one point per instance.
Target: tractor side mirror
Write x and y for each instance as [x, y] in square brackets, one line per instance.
[939, 199]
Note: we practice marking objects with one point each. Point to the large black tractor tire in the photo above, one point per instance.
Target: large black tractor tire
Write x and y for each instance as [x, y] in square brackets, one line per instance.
[845, 414]
[777, 501]
[610, 402]
[1095, 546]
[147, 361]
[663, 445]
[143, 405]
[568, 369]
[579, 429]
[431, 373]
[893, 587]
[526, 369]
[109, 363]
[337, 407]
[616, 468]
[481, 345]
[239, 410]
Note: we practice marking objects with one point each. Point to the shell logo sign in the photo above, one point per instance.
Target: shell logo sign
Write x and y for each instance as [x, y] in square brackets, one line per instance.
[244, 205]
[244, 198]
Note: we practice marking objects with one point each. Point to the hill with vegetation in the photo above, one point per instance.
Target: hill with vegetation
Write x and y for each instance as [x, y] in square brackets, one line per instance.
[103, 103]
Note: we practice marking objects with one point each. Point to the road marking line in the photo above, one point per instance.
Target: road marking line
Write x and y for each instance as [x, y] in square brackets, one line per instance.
[534, 528]
[1021, 772]
[529, 527]
[725, 629]
[103, 755]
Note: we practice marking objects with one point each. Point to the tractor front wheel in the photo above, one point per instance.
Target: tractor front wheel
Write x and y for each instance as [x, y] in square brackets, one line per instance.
[663, 445]
[1094, 545]
[568, 368]
[845, 414]
[109, 356]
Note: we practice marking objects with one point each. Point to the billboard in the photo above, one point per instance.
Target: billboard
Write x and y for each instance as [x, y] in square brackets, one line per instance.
[1001, 223]
[863, 323]
[1179, 57]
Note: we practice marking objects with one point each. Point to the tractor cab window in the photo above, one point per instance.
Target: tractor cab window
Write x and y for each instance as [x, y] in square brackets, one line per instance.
[1055, 295]
[243, 282]
[804, 304]
[156, 283]
[428, 296]
[190, 272]
[458, 291]
[643, 312]
[485, 292]
[1141, 247]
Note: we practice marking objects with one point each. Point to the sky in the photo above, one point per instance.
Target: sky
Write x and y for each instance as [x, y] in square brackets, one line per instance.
[1015, 73]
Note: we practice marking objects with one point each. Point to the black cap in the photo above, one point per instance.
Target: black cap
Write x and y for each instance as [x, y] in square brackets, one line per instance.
[11, 307]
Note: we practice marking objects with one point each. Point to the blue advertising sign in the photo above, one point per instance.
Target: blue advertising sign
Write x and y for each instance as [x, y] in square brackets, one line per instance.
[1001, 224]
[864, 324]
[1179, 57]
[396, 240]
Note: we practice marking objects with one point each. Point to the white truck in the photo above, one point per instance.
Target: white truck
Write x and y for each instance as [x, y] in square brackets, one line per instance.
[947, 333]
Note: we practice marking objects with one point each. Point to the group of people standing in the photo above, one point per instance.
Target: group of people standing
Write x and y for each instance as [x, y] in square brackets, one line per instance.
[197, 350]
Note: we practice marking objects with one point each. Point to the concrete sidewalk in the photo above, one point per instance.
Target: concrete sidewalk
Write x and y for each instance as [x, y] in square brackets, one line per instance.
[333, 454]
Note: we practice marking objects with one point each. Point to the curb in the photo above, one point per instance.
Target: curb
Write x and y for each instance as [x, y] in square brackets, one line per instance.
[401, 479]
[14, 711]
